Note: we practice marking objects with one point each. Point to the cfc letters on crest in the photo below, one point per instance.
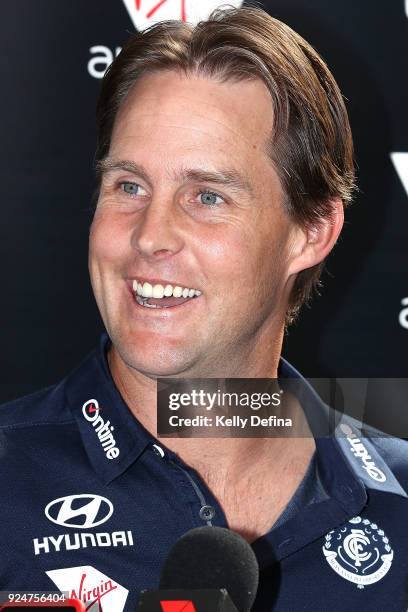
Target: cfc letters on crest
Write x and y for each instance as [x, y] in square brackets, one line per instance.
[358, 551]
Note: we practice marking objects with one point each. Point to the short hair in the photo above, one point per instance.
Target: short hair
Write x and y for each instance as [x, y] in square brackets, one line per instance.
[310, 146]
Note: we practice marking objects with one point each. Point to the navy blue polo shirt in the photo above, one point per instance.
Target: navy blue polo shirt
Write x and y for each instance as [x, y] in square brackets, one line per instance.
[95, 513]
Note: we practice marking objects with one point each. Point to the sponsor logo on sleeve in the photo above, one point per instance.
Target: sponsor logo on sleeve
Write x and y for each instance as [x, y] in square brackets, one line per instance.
[102, 428]
[84, 511]
[358, 551]
[97, 591]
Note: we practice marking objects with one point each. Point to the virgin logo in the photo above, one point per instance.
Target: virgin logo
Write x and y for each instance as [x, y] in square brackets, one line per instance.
[97, 591]
[92, 594]
[144, 13]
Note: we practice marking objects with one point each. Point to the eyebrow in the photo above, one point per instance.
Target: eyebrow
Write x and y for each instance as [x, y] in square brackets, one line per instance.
[228, 177]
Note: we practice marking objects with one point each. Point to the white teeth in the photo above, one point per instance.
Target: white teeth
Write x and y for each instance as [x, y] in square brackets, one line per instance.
[158, 291]
[147, 290]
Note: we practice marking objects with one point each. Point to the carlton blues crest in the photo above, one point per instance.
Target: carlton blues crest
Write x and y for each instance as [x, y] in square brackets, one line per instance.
[358, 551]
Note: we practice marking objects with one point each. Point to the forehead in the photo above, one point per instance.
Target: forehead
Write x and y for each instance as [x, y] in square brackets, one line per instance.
[196, 110]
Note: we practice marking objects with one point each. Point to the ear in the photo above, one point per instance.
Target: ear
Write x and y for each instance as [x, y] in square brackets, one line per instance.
[312, 245]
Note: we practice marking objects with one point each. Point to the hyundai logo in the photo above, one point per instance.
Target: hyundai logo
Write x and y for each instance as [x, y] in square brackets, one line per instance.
[79, 511]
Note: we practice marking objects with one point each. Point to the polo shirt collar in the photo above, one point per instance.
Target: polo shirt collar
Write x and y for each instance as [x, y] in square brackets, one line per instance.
[346, 492]
[339, 435]
[91, 394]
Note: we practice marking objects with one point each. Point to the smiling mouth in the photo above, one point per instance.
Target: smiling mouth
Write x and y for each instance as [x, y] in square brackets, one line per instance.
[162, 296]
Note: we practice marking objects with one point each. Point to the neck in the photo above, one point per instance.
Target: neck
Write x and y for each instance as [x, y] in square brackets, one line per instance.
[252, 478]
[140, 390]
[229, 456]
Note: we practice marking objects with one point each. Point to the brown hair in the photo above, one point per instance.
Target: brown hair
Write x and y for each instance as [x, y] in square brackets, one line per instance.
[311, 144]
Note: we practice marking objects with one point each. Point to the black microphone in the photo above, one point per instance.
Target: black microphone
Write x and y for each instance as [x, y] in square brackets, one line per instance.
[209, 569]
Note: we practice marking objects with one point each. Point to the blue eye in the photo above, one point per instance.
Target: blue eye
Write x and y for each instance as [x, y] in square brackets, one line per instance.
[209, 198]
[132, 188]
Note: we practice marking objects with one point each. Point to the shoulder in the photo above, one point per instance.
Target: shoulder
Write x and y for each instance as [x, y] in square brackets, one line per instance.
[46, 406]
[54, 405]
[378, 459]
[394, 452]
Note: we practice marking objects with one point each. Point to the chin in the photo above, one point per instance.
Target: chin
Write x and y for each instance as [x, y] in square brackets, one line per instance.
[157, 368]
[155, 361]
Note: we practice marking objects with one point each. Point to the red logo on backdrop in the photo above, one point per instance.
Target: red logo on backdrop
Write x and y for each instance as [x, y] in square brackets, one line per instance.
[178, 606]
[151, 11]
[144, 13]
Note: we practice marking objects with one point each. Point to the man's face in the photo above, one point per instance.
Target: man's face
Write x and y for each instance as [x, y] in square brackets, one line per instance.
[189, 198]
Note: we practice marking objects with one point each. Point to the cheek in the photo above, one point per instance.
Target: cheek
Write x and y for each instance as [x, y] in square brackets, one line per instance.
[265, 246]
[107, 240]
[220, 248]
[230, 257]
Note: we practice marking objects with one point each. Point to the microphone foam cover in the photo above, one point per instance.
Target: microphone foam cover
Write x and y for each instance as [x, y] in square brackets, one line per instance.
[213, 558]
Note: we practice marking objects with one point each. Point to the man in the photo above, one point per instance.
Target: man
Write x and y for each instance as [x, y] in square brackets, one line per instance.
[225, 161]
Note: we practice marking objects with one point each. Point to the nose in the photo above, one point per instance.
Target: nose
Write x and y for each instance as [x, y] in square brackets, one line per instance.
[157, 234]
